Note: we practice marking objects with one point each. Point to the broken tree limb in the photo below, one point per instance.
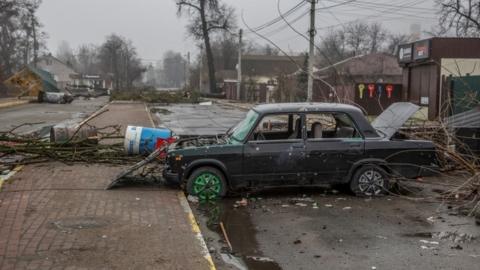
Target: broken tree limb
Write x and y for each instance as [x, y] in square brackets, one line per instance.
[153, 156]
[226, 236]
[81, 124]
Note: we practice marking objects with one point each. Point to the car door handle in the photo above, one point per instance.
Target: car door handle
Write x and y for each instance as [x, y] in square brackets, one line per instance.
[298, 146]
[352, 145]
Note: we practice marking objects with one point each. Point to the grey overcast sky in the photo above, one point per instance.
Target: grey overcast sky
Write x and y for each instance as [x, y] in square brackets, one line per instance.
[154, 27]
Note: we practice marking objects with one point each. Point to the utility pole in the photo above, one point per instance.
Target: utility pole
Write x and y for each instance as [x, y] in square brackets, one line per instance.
[311, 53]
[200, 70]
[239, 65]
[187, 73]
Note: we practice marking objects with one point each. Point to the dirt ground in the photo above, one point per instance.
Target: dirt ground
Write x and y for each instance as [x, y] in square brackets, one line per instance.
[314, 228]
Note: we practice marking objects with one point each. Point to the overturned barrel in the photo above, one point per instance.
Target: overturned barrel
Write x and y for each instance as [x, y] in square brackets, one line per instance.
[143, 140]
[71, 133]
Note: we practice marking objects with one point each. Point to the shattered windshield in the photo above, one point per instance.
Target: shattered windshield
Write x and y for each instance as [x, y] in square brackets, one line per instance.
[240, 131]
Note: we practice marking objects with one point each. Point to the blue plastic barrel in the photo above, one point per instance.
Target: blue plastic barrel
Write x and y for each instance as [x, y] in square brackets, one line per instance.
[143, 140]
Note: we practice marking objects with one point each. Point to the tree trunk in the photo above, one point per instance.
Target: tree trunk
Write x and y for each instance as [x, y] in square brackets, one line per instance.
[208, 50]
[35, 44]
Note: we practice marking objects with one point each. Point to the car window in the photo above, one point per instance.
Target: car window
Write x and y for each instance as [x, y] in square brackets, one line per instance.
[240, 131]
[278, 127]
[330, 125]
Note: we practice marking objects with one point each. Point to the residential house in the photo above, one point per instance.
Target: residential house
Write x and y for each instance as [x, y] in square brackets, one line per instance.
[61, 72]
[260, 75]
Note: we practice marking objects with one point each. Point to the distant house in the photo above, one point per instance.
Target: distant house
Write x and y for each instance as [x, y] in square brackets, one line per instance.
[372, 81]
[31, 81]
[61, 72]
[260, 75]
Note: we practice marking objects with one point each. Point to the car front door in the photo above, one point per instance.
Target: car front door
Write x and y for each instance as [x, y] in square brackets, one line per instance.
[333, 145]
[275, 152]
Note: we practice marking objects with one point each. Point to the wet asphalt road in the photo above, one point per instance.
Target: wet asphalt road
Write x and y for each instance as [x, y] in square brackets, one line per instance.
[315, 229]
[194, 119]
[48, 114]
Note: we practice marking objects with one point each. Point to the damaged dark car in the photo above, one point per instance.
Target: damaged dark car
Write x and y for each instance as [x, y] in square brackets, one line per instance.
[302, 144]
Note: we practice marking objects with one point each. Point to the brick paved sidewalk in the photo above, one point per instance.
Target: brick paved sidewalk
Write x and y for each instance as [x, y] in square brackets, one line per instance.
[55, 216]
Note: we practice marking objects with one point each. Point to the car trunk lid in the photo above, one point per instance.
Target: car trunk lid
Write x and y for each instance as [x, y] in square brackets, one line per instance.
[393, 118]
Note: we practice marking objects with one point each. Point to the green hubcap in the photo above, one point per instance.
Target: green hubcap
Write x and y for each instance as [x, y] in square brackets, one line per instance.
[207, 186]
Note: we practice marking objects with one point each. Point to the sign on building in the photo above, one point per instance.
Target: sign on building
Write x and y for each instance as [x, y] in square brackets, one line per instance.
[405, 53]
[421, 50]
[374, 97]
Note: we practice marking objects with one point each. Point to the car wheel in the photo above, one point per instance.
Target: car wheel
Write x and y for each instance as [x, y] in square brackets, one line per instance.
[207, 183]
[369, 180]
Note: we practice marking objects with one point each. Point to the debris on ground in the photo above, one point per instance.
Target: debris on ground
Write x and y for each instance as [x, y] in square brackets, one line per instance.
[192, 199]
[243, 202]
[457, 247]
[298, 241]
[454, 236]
[301, 200]
[301, 204]
[429, 242]
[260, 259]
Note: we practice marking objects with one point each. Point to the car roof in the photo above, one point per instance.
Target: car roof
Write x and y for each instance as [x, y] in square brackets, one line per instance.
[305, 107]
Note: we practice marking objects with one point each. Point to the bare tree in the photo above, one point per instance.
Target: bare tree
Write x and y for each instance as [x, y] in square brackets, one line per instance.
[65, 54]
[354, 39]
[462, 16]
[118, 56]
[206, 17]
[394, 40]
[333, 46]
[87, 59]
[357, 37]
[173, 69]
[377, 36]
[20, 35]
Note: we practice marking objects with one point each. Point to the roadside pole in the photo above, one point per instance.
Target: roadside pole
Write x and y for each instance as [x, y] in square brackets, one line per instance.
[311, 53]
[200, 70]
[239, 65]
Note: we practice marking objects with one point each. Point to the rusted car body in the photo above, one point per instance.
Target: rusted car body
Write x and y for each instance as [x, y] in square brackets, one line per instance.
[300, 144]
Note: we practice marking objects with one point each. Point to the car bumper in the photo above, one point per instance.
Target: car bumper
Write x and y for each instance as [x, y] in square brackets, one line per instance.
[171, 177]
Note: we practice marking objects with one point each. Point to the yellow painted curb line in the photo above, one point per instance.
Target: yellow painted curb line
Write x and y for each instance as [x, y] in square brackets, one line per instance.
[10, 174]
[149, 115]
[196, 230]
[13, 103]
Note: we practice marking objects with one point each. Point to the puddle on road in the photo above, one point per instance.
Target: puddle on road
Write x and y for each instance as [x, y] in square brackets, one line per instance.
[241, 233]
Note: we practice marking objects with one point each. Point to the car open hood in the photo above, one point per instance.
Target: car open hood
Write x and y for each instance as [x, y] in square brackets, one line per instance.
[393, 118]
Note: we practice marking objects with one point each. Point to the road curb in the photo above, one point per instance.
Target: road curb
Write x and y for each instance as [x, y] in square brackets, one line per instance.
[13, 103]
[196, 230]
[10, 174]
[149, 115]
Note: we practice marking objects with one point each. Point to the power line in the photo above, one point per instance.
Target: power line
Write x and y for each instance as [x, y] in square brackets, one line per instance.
[278, 19]
[376, 15]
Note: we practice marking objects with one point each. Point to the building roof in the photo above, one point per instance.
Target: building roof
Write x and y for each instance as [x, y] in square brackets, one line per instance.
[270, 65]
[49, 83]
[369, 64]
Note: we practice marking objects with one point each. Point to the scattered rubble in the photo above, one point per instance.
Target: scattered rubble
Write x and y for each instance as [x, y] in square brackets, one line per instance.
[455, 236]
